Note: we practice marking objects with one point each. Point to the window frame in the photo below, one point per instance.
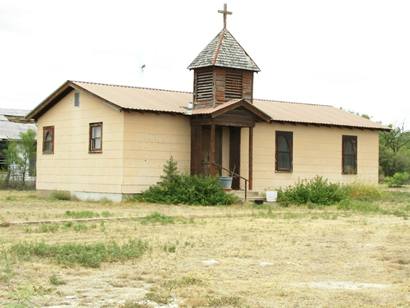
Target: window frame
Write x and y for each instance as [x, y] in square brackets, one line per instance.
[45, 130]
[91, 150]
[284, 133]
[345, 138]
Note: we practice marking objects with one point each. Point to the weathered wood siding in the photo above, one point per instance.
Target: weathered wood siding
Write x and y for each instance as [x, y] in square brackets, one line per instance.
[149, 141]
[72, 167]
[222, 86]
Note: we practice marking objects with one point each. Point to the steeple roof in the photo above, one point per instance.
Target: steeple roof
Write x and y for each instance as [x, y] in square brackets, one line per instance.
[224, 51]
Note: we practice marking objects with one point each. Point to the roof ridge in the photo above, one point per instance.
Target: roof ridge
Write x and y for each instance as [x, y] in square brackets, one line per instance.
[129, 86]
[218, 46]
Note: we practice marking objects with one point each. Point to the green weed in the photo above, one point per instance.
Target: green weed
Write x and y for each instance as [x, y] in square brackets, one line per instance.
[80, 227]
[182, 282]
[6, 268]
[46, 228]
[87, 255]
[106, 214]
[159, 296]
[60, 195]
[170, 248]
[157, 218]
[359, 206]
[225, 301]
[55, 280]
[81, 214]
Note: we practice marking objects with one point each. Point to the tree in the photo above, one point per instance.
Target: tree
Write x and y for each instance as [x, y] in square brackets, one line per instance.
[20, 154]
[395, 151]
[395, 139]
[170, 171]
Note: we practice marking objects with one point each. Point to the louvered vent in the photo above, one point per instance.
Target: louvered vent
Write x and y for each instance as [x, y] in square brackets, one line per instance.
[233, 84]
[204, 86]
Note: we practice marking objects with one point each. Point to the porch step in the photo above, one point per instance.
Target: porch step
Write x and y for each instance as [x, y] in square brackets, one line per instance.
[252, 196]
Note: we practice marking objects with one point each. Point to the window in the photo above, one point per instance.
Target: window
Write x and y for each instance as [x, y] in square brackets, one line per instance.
[77, 99]
[284, 148]
[349, 154]
[95, 137]
[48, 140]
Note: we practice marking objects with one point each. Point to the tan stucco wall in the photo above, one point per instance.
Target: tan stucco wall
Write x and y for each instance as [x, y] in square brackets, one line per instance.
[149, 141]
[71, 167]
[316, 151]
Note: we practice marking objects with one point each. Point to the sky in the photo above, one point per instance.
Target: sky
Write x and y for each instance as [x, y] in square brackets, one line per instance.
[353, 54]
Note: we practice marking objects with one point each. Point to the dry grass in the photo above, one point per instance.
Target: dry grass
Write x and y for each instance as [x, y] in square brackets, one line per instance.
[265, 257]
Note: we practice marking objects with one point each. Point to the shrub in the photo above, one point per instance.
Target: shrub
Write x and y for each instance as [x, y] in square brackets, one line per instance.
[316, 191]
[87, 255]
[398, 179]
[175, 188]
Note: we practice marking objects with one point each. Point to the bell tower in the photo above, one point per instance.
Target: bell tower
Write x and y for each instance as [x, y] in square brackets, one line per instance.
[223, 70]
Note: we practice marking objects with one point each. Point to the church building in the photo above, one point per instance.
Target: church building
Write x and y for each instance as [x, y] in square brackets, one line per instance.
[107, 141]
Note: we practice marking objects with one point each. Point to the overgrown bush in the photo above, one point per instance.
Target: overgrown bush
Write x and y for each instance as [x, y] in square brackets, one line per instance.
[175, 188]
[398, 179]
[317, 191]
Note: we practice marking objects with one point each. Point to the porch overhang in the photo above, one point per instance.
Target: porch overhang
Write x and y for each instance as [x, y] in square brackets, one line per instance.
[232, 113]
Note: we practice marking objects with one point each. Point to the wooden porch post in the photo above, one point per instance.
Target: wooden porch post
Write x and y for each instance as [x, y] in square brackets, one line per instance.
[212, 167]
[250, 169]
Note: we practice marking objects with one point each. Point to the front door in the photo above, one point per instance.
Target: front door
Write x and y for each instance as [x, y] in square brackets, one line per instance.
[235, 154]
[205, 146]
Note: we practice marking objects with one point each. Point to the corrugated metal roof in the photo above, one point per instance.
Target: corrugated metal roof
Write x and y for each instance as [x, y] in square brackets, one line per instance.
[313, 114]
[14, 112]
[140, 98]
[224, 51]
[148, 99]
[12, 130]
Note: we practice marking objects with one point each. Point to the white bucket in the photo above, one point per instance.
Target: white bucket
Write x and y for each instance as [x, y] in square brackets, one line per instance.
[271, 196]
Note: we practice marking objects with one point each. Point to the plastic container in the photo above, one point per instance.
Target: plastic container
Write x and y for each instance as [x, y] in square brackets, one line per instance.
[226, 182]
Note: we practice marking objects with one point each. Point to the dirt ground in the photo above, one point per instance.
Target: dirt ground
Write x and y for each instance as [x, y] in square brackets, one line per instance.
[239, 256]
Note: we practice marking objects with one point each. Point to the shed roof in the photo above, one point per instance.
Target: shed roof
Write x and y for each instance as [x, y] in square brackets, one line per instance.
[10, 129]
[224, 51]
[14, 112]
[158, 100]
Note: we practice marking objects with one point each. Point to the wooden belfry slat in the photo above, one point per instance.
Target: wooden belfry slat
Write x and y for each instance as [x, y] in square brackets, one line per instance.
[233, 84]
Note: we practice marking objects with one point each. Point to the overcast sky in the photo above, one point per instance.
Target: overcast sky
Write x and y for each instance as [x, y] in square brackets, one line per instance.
[353, 54]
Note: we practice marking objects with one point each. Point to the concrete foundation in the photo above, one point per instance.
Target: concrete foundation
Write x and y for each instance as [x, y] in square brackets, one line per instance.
[97, 196]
